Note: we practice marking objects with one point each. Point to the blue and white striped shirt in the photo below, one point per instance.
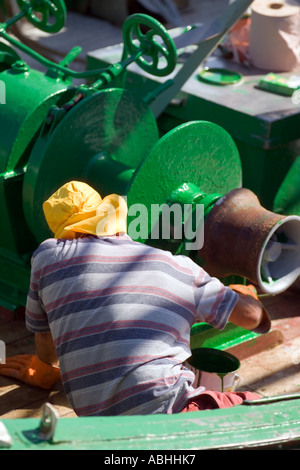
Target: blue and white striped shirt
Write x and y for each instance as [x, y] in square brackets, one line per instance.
[120, 314]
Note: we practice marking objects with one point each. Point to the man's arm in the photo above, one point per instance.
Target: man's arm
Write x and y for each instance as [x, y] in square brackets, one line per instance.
[247, 313]
[45, 349]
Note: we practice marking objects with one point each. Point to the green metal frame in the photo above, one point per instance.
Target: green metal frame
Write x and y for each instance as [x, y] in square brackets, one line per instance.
[270, 424]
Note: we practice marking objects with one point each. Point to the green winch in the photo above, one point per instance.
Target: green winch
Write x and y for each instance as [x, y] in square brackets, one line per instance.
[53, 131]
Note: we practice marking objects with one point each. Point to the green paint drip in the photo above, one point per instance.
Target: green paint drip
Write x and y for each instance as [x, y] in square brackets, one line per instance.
[222, 375]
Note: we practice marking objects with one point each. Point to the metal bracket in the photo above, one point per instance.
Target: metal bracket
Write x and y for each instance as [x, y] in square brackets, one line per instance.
[48, 422]
[5, 439]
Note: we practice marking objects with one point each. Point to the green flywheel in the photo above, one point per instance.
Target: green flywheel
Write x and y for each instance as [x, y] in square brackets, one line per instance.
[100, 134]
[197, 152]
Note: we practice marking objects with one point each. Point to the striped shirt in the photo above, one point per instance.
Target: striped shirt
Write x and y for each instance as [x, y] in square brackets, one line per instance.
[120, 314]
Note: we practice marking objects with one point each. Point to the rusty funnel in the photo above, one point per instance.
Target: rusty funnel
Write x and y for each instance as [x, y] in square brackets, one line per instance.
[243, 238]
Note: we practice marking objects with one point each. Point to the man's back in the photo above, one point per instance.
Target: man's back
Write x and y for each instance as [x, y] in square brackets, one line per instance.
[120, 315]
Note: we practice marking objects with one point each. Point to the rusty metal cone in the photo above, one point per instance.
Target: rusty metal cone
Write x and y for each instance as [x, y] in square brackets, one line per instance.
[243, 238]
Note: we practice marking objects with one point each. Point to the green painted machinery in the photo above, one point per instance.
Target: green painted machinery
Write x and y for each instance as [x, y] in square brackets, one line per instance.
[264, 125]
[53, 131]
[32, 105]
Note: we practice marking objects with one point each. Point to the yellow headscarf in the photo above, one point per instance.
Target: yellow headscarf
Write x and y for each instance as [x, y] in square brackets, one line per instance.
[78, 208]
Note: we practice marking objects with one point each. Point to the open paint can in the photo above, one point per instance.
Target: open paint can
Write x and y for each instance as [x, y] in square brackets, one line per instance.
[214, 369]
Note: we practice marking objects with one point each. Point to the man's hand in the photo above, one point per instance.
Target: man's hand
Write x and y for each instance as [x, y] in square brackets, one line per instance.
[30, 369]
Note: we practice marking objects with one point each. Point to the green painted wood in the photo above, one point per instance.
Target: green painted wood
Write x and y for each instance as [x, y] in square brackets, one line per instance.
[287, 199]
[205, 336]
[273, 425]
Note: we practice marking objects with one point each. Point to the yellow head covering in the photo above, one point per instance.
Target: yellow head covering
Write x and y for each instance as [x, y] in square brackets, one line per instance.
[78, 208]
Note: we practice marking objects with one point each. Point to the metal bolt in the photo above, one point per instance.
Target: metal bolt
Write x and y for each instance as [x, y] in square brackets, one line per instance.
[20, 66]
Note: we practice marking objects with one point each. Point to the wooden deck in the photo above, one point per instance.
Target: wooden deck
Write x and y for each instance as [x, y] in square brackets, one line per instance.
[18, 400]
[272, 371]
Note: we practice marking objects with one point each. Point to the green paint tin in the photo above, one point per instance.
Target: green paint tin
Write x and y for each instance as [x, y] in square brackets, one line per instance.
[219, 76]
[214, 369]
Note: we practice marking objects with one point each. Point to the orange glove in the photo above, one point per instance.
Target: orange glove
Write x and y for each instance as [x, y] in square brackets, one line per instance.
[246, 290]
[30, 369]
[250, 290]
